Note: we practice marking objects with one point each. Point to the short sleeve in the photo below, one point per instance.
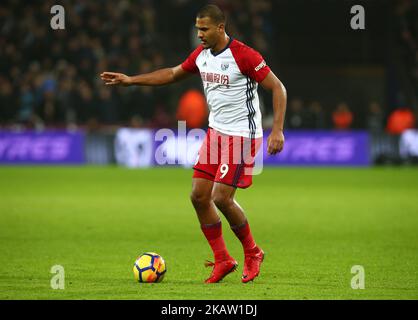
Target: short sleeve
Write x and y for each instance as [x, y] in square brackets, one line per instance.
[189, 64]
[250, 62]
[258, 68]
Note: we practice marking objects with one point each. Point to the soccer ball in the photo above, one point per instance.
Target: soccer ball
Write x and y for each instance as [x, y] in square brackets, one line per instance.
[149, 267]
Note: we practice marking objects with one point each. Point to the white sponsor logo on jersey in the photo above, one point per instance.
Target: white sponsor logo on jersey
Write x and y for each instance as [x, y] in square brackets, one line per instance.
[260, 66]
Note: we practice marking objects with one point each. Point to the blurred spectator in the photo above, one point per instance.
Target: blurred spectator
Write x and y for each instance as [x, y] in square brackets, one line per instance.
[162, 118]
[135, 122]
[85, 103]
[375, 121]
[108, 109]
[400, 120]
[47, 106]
[192, 109]
[65, 99]
[315, 118]
[142, 103]
[296, 114]
[26, 109]
[7, 101]
[342, 117]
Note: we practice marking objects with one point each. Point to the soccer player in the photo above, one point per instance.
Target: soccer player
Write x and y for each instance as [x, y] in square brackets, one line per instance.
[230, 73]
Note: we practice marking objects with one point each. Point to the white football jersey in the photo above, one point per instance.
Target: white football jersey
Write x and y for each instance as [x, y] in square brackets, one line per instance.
[230, 81]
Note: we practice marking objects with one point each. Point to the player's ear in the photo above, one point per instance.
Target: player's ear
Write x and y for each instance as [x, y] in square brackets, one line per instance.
[221, 27]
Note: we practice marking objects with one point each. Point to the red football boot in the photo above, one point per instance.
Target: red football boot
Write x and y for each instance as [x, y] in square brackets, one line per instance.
[252, 265]
[220, 270]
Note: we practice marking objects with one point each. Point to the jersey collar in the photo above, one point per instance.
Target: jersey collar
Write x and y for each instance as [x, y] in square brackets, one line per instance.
[226, 47]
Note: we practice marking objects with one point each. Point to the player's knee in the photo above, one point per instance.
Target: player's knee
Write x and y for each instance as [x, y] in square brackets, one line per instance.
[221, 200]
[199, 198]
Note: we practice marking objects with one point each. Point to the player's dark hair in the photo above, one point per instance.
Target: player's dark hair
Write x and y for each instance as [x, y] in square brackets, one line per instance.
[213, 12]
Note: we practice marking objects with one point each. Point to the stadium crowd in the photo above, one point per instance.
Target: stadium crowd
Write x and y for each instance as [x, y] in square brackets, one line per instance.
[50, 77]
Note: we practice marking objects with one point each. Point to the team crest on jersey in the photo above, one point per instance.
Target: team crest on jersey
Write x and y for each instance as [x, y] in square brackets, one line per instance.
[224, 66]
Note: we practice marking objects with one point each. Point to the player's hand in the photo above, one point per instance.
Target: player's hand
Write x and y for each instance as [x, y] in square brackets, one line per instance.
[113, 78]
[275, 141]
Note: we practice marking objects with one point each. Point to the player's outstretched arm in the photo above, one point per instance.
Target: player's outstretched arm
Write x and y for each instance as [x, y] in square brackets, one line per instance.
[156, 78]
[276, 139]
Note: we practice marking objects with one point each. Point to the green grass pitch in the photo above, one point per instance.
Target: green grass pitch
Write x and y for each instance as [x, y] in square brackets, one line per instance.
[313, 223]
